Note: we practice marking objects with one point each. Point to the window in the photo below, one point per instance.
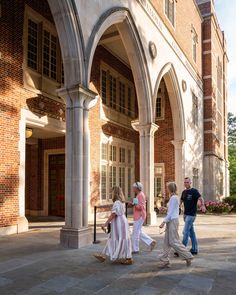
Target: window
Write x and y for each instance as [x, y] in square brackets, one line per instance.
[32, 56]
[117, 92]
[104, 87]
[194, 44]
[158, 179]
[43, 52]
[159, 107]
[170, 10]
[118, 169]
[195, 109]
[195, 178]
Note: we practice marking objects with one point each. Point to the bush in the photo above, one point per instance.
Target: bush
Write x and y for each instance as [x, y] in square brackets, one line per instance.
[231, 201]
[218, 207]
[161, 210]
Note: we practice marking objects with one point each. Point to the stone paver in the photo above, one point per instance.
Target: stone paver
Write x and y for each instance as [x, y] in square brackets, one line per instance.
[33, 263]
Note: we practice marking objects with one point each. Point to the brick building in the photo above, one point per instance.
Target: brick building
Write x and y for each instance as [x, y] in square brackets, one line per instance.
[89, 103]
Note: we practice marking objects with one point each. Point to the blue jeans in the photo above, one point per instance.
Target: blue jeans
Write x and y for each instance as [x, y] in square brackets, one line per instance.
[189, 232]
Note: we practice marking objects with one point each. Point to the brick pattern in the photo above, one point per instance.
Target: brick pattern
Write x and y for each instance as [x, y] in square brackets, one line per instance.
[12, 98]
[163, 148]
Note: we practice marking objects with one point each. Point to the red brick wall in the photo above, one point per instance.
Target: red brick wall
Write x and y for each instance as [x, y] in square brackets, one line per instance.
[12, 98]
[97, 125]
[163, 148]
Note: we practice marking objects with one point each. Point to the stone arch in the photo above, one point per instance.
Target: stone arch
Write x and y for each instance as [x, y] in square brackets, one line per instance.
[169, 75]
[122, 18]
[71, 41]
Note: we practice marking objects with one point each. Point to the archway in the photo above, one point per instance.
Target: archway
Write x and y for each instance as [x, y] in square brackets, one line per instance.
[168, 75]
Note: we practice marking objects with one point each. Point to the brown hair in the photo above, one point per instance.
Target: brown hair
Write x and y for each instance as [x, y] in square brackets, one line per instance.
[117, 194]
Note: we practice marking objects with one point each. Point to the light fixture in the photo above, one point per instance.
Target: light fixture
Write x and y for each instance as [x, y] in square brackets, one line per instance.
[28, 132]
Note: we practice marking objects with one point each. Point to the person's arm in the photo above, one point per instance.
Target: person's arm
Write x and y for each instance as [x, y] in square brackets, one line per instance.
[171, 209]
[112, 216]
[201, 204]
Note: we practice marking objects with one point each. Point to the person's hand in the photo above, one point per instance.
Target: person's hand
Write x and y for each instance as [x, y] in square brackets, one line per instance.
[162, 225]
[203, 209]
[104, 227]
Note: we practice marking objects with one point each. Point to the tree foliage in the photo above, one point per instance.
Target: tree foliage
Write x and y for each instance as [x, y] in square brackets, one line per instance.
[232, 151]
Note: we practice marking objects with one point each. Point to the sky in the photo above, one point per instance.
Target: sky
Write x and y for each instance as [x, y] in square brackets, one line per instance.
[225, 10]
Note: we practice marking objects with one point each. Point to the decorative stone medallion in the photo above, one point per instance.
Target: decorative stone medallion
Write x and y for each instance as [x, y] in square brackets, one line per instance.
[152, 49]
[184, 85]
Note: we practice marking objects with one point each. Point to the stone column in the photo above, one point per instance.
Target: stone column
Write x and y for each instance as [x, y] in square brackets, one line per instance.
[76, 233]
[146, 136]
[179, 164]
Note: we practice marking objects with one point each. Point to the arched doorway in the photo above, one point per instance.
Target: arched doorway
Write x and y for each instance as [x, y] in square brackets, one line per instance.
[167, 82]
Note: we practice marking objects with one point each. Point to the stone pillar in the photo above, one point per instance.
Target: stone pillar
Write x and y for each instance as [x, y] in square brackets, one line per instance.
[146, 136]
[76, 233]
[179, 164]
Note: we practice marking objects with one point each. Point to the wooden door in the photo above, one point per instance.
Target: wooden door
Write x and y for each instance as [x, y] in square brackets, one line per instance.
[56, 185]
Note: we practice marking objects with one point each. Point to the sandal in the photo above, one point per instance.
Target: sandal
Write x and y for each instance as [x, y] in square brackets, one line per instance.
[127, 261]
[188, 262]
[100, 257]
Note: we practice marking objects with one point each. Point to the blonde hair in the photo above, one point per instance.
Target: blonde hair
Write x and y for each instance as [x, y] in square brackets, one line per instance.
[172, 187]
[117, 194]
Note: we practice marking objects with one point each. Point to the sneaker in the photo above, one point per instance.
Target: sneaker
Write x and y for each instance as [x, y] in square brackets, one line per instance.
[163, 264]
[188, 262]
[100, 257]
[153, 245]
[193, 252]
[176, 254]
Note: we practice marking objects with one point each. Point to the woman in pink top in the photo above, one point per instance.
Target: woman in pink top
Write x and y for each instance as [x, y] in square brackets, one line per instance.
[139, 206]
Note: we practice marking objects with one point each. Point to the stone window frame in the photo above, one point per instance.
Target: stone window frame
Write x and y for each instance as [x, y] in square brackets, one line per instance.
[129, 91]
[166, 6]
[195, 109]
[43, 24]
[194, 44]
[127, 166]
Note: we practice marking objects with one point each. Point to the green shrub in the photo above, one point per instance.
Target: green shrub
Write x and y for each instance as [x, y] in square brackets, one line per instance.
[231, 201]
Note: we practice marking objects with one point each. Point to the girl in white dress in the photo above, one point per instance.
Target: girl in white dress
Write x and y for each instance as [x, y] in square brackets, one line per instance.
[118, 247]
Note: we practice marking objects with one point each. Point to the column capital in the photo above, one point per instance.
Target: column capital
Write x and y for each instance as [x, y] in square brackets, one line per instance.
[144, 129]
[78, 96]
[178, 143]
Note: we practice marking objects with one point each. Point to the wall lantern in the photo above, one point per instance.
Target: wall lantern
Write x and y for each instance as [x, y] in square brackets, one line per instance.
[28, 132]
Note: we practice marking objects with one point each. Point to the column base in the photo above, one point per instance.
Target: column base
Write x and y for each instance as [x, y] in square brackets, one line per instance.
[22, 224]
[152, 218]
[75, 238]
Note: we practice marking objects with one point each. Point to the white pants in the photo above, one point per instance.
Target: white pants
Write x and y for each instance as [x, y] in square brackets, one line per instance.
[139, 234]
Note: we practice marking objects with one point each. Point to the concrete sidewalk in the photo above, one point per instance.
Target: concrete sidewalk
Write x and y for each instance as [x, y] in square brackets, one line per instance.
[34, 263]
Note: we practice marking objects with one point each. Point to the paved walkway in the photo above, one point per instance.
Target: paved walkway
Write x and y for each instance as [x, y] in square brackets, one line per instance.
[34, 263]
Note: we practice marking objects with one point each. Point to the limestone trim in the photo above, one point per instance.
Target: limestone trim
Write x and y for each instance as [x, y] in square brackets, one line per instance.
[134, 48]
[169, 75]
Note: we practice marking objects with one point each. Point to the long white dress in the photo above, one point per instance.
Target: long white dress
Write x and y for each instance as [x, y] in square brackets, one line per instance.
[118, 244]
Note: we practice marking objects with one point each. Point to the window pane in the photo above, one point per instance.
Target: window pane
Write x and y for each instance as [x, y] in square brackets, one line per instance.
[122, 178]
[129, 156]
[46, 52]
[104, 87]
[32, 54]
[129, 183]
[104, 182]
[122, 155]
[157, 186]
[104, 151]
[129, 103]
[112, 180]
[122, 97]
[158, 107]
[112, 82]
[53, 59]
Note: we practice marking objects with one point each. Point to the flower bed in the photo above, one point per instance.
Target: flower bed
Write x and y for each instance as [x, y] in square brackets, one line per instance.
[218, 207]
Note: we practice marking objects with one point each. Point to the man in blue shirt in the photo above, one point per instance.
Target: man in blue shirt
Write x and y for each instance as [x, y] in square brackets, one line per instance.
[191, 198]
